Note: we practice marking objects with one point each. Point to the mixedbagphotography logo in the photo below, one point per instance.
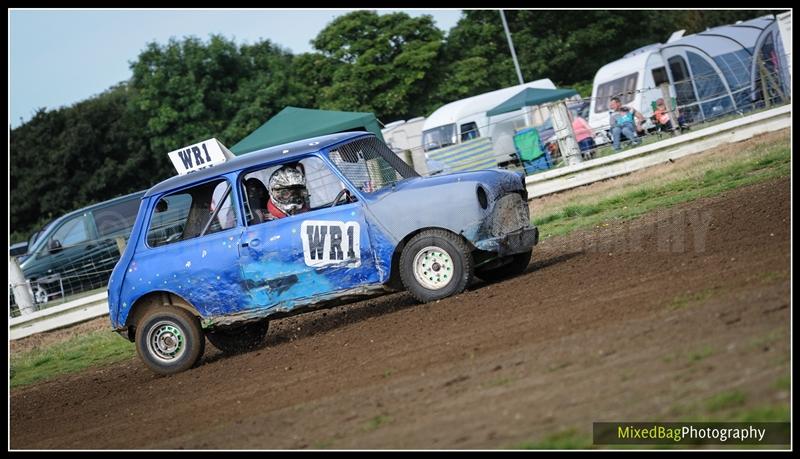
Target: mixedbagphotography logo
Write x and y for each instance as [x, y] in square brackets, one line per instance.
[691, 433]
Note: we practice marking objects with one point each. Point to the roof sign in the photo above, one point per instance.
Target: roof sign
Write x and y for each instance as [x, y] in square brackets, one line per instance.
[201, 155]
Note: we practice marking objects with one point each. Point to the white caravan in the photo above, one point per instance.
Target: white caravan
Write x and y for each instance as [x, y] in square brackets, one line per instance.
[466, 119]
[709, 74]
[404, 135]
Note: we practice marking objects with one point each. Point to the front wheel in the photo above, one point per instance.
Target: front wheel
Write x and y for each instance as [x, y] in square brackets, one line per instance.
[169, 340]
[239, 339]
[435, 264]
[517, 265]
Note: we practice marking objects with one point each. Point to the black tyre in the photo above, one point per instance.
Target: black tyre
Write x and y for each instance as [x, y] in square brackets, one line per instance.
[519, 262]
[169, 340]
[435, 264]
[233, 340]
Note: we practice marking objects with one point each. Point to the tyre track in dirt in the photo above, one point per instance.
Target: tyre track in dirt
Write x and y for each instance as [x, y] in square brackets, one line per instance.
[605, 324]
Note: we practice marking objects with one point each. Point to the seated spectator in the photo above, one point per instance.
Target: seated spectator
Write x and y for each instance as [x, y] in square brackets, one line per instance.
[661, 116]
[583, 135]
[624, 121]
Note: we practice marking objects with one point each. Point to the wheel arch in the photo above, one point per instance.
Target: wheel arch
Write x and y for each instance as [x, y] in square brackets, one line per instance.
[394, 272]
[154, 300]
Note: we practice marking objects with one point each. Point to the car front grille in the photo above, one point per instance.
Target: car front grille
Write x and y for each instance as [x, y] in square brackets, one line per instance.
[510, 214]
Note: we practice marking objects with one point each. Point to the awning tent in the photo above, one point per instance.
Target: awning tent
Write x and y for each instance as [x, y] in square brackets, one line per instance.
[530, 97]
[293, 123]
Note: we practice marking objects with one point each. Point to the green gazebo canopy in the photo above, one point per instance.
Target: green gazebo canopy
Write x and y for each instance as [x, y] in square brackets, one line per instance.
[531, 96]
[294, 123]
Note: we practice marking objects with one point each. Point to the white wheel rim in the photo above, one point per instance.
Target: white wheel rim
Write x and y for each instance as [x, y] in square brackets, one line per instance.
[433, 268]
[166, 341]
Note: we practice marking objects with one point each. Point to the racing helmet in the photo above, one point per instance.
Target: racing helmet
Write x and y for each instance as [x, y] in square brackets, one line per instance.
[287, 189]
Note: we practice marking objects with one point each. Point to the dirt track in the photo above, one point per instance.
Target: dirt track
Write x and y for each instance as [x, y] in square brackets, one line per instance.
[633, 321]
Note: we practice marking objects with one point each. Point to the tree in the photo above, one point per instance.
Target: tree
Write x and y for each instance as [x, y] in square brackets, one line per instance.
[72, 157]
[384, 62]
[475, 58]
[189, 90]
[566, 46]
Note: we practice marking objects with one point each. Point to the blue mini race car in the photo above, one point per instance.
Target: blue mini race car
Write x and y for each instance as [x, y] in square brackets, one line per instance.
[220, 251]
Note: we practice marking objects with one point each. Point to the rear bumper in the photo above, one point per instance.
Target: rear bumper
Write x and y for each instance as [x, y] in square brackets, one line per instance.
[517, 241]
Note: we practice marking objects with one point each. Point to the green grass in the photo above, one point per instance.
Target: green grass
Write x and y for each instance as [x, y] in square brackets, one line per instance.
[634, 203]
[727, 407]
[692, 357]
[92, 349]
[766, 340]
[772, 276]
[376, 422]
[683, 300]
[766, 413]
[783, 383]
[725, 400]
[700, 354]
[496, 383]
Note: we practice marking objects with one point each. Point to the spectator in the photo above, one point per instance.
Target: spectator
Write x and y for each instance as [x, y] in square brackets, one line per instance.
[661, 115]
[583, 135]
[624, 120]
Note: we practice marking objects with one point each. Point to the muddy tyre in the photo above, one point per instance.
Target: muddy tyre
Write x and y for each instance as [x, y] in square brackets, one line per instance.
[234, 340]
[519, 262]
[169, 340]
[435, 264]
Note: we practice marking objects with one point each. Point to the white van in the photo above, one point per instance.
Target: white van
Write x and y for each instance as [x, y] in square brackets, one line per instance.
[466, 119]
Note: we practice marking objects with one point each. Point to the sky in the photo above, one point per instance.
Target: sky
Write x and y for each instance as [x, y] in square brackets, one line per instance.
[59, 57]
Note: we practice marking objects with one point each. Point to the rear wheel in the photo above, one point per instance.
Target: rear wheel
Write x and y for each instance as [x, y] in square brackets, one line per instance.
[435, 264]
[233, 340]
[517, 265]
[169, 340]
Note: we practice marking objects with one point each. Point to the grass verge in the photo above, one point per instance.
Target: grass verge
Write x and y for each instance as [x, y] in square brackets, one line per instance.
[75, 354]
[771, 160]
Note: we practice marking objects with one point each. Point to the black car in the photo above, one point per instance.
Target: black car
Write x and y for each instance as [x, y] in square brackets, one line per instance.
[78, 251]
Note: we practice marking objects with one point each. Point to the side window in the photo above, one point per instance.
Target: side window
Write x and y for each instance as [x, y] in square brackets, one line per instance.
[660, 76]
[469, 131]
[624, 88]
[191, 213]
[116, 220]
[305, 185]
[72, 232]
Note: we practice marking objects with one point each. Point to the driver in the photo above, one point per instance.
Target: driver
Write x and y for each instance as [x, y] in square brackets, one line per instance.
[288, 194]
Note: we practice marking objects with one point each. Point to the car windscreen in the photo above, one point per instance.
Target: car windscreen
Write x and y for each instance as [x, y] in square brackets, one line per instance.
[36, 238]
[439, 137]
[369, 164]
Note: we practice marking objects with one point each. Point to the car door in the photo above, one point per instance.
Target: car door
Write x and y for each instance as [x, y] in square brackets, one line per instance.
[305, 257]
[191, 249]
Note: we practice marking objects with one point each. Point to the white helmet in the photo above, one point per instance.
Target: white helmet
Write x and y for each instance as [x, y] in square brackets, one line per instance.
[287, 189]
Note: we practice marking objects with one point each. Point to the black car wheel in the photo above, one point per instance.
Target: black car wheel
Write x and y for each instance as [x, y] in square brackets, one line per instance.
[435, 264]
